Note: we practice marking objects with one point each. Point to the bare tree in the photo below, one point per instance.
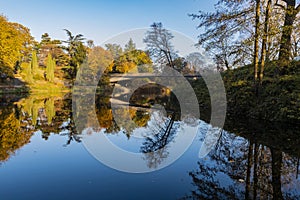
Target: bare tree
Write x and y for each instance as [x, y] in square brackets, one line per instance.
[158, 41]
[227, 31]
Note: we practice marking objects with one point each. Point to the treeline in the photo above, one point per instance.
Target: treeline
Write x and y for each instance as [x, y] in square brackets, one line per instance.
[55, 61]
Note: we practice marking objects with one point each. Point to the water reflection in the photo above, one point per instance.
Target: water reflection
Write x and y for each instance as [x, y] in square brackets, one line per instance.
[249, 167]
[252, 160]
[47, 114]
[13, 133]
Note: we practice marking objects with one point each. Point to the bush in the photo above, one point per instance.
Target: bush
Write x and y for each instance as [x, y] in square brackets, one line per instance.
[6, 72]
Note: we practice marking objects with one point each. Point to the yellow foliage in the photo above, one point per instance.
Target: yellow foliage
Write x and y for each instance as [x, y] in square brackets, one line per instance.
[11, 135]
[15, 40]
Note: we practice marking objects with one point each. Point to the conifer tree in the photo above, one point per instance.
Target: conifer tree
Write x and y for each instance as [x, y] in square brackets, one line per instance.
[50, 69]
[28, 73]
[34, 63]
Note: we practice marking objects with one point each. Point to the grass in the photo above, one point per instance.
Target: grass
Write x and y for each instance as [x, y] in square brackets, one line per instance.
[277, 98]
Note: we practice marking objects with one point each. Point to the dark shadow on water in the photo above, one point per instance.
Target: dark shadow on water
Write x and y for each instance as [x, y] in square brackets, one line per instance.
[259, 161]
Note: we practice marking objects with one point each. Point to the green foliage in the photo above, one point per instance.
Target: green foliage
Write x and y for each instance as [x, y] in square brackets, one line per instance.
[50, 69]
[34, 63]
[26, 67]
[46, 46]
[130, 46]
[50, 109]
[277, 98]
[77, 52]
[115, 50]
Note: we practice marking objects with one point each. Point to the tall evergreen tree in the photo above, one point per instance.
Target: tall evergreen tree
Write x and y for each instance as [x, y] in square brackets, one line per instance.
[115, 50]
[50, 68]
[130, 46]
[34, 63]
[76, 50]
[28, 73]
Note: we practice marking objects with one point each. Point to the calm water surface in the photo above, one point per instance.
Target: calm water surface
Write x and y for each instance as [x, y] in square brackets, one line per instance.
[42, 155]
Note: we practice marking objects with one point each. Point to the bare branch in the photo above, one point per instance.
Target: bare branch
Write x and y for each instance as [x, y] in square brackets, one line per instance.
[298, 9]
[280, 5]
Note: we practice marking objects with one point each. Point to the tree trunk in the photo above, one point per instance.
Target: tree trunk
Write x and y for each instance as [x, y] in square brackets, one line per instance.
[285, 42]
[276, 173]
[265, 41]
[255, 175]
[171, 59]
[248, 172]
[256, 41]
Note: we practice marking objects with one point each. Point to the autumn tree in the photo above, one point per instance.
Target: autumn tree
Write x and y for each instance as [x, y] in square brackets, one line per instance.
[99, 58]
[159, 45]
[97, 62]
[15, 43]
[134, 61]
[128, 60]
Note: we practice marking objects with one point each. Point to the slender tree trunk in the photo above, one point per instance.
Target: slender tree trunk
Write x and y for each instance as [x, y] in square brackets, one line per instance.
[227, 64]
[285, 42]
[276, 173]
[255, 175]
[171, 60]
[168, 58]
[248, 173]
[265, 41]
[295, 49]
[297, 171]
[256, 41]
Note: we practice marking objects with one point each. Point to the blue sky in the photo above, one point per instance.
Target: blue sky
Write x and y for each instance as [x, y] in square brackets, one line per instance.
[99, 20]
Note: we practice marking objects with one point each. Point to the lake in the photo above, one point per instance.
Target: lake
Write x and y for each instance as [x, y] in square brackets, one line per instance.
[46, 154]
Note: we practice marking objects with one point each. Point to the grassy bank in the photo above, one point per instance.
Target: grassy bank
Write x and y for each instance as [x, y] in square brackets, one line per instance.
[20, 83]
[38, 86]
[277, 97]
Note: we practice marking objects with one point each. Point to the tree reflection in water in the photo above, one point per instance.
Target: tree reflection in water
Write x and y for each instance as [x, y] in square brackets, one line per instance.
[161, 134]
[13, 134]
[259, 161]
[153, 107]
[252, 168]
[20, 119]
